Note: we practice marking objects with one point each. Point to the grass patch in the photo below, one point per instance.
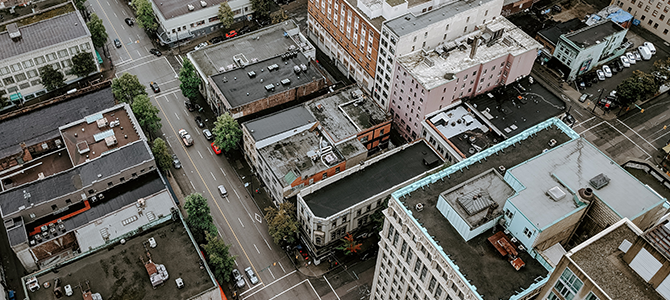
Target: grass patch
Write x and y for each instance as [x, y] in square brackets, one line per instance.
[68, 8]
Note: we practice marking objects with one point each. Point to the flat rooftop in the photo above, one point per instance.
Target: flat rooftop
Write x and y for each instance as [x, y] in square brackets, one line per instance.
[574, 164]
[372, 180]
[258, 45]
[239, 89]
[511, 115]
[464, 129]
[279, 122]
[501, 280]
[589, 36]
[175, 8]
[342, 116]
[44, 34]
[32, 170]
[409, 23]
[433, 69]
[373, 4]
[553, 33]
[44, 122]
[118, 272]
[41, 191]
[101, 132]
[604, 264]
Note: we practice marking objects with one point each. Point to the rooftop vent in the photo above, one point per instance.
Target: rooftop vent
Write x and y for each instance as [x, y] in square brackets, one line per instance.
[599, 181]
[14, 32]
[191, 7]
[102, 122]
[296, 69]
[203, 3]
[273, 67]
[286, 81]
[556, 193]
[270, 87]
[252, 74]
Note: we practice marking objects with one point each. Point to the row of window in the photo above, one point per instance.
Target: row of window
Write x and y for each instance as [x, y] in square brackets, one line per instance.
[41, 60]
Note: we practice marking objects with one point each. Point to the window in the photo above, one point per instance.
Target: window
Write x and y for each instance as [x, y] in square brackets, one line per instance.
[54, 207]
[74, 50]
[432, 283]
[552, 296]
[20, 77]
[4, 71]
[424, 270]
[527, 232]
[16, 67]
[51, 56]
[417, 266]
[592, 296]
[325, 175]
[395, 238]
[39, 60]
[337, 170]
[122, 179]
[403, 248]
[62, 53]
[8, 80]
[568, 284]
[27, 64]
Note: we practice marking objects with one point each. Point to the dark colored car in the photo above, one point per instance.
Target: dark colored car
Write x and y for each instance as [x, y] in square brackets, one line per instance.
[189, 106]
[198, 120]
[231, 34]
[129, 21]
[155, 51]
[117, 43]
[243, 30]
[154, 87]
[175, 161]
[216, 39]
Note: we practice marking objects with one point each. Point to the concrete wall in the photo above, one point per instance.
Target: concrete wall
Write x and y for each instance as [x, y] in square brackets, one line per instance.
[560, 231]
[278, 99]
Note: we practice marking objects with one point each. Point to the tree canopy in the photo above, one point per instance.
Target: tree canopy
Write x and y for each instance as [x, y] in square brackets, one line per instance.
[127, 87]
[227, 132]
[190, 82]
[219, 258]
[282, 224]
[146, 114]
[98, 31]
[638, 86]
[160, 151]
[226, 16]
[262, 8]
[199, 218]
[350, 246]
[145, 15]
[662, 71]
[51, 78]
[83, 64]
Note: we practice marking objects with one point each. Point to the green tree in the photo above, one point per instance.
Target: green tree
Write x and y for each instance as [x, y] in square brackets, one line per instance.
[226, 16]
[160, 151]
[227, 132]
[127, 87]
[219, 258]
[199, 217]
[51, 78]
[147, 114]
[3, 98]
[79, 4]
[638, 86]
[83, 64]
[661, 71]
[350, 246]
[282, 224]
[190, 82]
[262, 8]
[98, 31]
[145, 15]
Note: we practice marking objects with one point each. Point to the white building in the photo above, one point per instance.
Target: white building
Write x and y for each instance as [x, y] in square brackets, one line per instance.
[25, 49]
[179, 20]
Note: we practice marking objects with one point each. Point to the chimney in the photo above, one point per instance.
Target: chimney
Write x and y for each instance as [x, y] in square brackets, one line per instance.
[14, 32]
[475, 44]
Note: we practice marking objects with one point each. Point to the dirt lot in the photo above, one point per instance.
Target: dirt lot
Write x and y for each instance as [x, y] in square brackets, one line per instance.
[579, 11]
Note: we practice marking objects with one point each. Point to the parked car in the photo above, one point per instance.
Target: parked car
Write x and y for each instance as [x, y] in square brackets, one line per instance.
[638, 56]
[583, 97]
[68, 290]
[189, 105]
[198, 120]
[627, 45]
[631, 58]
[208, 134]
[129, 21]
[216, 149]
[175, 161]
[200, 46]
[117, 43]
[154, 87]
[607, 71]
[625, 61]
[216, 39]
[250, 274]
[231, 34]
[644, 52]
[243, 30]
[239, 281]
[155, 51]
[600, 74]
[651, 47]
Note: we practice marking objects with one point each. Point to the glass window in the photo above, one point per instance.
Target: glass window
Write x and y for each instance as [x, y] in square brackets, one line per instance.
[8, 80]
[62, 53]
[27, 64]
[74, 50]
[15, 67]
[24, 85]
[568, 284]
[51, 56]
[4, 71]
[85, 46]
[39, 60]
[32, 73]
[20, 77]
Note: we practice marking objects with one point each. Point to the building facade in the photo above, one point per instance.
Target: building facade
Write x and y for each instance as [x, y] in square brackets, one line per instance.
[652, 15]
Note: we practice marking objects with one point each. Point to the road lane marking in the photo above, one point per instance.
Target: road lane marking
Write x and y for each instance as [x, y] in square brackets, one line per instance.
[282, 267]
[266, 286]
[243, 227]
[200, 154]
[297, 284]
[116, 15]
[254, 244]
[138, 53]
[258, 218]
[138, 65]
[238, 196]
[110, 23]
[124, 12]
[176, 115]
[213, 176]
[331, 287]
[138, 38]
[224, 173]
[266, 242]
[634, 143]
[273, 275]
[594, 126]
[192, 183]
[108, 4]
[210, 151]
[175, 72]
[635, 132]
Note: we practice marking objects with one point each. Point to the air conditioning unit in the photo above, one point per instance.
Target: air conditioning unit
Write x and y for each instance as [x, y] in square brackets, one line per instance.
[522, 248]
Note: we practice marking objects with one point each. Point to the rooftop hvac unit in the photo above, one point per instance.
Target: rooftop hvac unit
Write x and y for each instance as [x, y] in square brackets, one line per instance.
[303, 67]
[114, 123]
[599, 181]
[191, 7]
[296, 69]
[102, 122]
[270, 87]
[286, 81]
[110, 141]
[552, 142]
[252, 74]
[203, 3]
[556, 193]
[330, 158]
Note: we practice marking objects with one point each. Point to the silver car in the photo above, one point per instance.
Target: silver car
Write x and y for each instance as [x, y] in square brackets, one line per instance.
[250, 274]
[239, 281]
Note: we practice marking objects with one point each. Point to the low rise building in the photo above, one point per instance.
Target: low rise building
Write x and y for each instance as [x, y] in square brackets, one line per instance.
[43, 38]
[329, 209]
[267, 83]
[246, 49]
[302, 145]
[511, 7]
[497, 54]
[179, 21]
[548, 37]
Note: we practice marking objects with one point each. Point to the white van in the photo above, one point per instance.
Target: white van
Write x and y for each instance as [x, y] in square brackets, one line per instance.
[222, 191]
[651, 47]
[644, 52]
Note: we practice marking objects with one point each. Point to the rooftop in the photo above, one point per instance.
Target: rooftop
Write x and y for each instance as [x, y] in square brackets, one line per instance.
[96, 134]
[44, 122]
[501, 280]
[512, 115]
[553, 33]
[603, 262]
[240, 89]
[464, 129]
[119, 272]
[659, 237]
[372, 180]
[282, 121]
[175, 8]
[433, 69]
[572, 166]
[44, 34]
[592, 35]
[409, 23]
[259, 45]
[39, 192]
[373, 5]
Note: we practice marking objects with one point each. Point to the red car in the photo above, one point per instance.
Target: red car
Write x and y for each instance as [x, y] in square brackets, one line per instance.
[230, 34]
[216, 149]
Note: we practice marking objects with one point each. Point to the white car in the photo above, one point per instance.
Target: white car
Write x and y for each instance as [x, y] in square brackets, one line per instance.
[250, 274]
[625, 61]
[601, 75]
[631, 58]
[651, 47]
[607, 71]
[68, 290]
[200, 46]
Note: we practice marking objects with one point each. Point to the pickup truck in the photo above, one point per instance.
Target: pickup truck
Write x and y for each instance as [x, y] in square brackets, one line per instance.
[185, 137]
